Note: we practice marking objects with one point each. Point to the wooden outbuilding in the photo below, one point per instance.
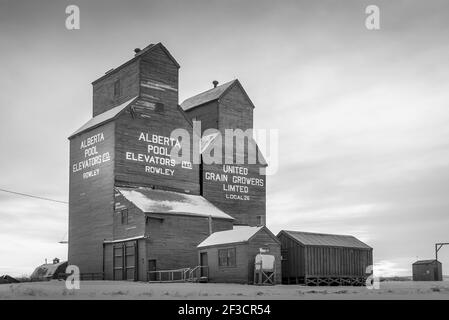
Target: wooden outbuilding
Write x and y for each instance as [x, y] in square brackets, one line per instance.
[49, 271]
[158, 230]
[229, 256]
[427, 270]
[324, 259]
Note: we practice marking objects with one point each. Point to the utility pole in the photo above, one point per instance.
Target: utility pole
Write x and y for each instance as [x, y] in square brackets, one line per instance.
[438, 246]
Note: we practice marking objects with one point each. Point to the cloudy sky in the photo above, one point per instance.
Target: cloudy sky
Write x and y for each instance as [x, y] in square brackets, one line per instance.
[363, 116]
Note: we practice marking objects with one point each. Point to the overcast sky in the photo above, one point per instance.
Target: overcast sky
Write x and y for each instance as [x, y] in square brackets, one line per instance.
[363, 115]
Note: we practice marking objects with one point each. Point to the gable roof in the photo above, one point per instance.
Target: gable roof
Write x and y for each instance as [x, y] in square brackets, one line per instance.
[145, 50]
[169, 202]
[211, 95]
[237, 235]
[322, 239]
[431, 261]
[103, 117]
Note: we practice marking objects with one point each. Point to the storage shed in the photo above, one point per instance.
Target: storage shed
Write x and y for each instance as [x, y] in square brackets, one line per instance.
[229, 256]
[427, 270]
[49, 271]
[323, 259]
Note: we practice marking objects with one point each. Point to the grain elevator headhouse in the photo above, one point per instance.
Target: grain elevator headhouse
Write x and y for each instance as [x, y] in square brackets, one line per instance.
[150, 179]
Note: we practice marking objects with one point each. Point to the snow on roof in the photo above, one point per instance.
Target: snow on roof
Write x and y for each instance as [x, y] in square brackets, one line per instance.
[238, 234]
[206, 96]
[169, 202]
[47, 271]
[322, 239]
[103, 117]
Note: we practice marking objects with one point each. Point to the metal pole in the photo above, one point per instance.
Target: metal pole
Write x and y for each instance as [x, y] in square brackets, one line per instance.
[436, 252]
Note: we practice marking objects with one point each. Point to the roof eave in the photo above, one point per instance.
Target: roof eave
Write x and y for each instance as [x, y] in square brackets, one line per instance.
[222, 244]
[77, 133]
[137, 57]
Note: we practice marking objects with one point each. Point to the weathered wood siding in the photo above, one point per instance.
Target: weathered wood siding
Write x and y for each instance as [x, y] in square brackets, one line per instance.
[173, 239]
[159, 78]
[293, 263]
[427, 272]
[207, 114]
[246, 252]
[301, 261]
[91, 198]
[108, 261]
[235, 111]
[232, 111]
[132, 152]
[336, 261]
[136, 219]
[103, 89]
[243, 201]
[238, 274]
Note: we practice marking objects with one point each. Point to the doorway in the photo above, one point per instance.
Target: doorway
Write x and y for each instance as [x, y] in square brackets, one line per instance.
[204, 263]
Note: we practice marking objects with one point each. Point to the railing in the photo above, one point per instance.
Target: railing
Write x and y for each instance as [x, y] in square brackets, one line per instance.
[92, 276]
[198, 272]
[177, 275]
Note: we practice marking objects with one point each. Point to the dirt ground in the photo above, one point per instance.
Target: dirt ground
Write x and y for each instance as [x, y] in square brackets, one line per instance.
[138, 290]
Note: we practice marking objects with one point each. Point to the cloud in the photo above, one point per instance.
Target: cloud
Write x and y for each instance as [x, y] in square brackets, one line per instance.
[362, 115]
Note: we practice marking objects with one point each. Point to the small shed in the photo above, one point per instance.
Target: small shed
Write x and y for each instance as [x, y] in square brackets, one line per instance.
[324, 259]
[49, 271]
[229, 256]
[427, 270]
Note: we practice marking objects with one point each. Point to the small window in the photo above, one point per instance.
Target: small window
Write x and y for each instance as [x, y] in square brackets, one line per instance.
[226, 257]
[260, 221]
[117, 88]
[124, 216]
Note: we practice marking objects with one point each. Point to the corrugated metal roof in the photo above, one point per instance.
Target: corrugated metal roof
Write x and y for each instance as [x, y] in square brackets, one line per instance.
[169, 202]
[238, 234]
[321, 239]
[425, 261]
[103, 117]
[206, 96]
[47, 271]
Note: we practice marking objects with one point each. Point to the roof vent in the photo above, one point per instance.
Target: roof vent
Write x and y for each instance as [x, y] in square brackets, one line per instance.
[137, 50]
[215, 83]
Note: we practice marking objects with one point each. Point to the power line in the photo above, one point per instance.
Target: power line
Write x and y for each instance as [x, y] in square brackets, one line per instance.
[32, 196]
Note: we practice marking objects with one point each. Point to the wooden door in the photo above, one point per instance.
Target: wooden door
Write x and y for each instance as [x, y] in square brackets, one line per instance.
[204, 263]
[125, 261]
[130, 261]
[118, 262]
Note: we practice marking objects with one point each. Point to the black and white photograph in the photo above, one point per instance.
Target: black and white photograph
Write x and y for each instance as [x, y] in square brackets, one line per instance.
[241, 151]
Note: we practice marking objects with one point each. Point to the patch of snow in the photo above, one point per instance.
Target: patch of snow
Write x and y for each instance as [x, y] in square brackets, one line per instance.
[238, 234]
[161, 201]
[123, 240]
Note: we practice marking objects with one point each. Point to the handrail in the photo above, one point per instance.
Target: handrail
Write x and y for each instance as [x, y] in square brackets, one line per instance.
[171, 275]
[187, 274]
[193, 271]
